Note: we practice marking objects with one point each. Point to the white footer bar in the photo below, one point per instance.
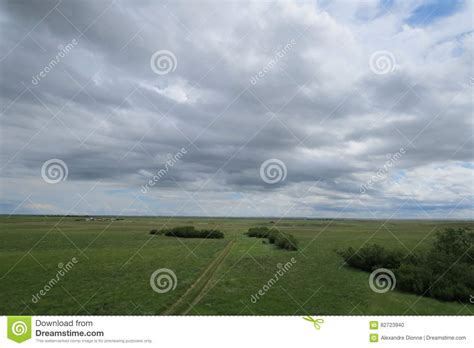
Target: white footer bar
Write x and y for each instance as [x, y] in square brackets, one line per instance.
[237, 331]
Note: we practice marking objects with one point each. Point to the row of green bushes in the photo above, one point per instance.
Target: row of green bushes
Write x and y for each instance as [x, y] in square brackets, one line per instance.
[445, 272]
[189, 232]
[371, 257]
[258, 232]
[280, 239]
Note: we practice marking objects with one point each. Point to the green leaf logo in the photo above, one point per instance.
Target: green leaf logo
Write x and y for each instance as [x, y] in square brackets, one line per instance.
[19, 328]
[316, 322]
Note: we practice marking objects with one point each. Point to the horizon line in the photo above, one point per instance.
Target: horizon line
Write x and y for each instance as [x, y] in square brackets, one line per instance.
[241, 217]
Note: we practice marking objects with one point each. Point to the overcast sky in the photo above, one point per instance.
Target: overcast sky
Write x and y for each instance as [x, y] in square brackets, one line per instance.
[304, 108]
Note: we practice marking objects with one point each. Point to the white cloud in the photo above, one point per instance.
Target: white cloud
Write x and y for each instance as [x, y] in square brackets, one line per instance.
[320, 108]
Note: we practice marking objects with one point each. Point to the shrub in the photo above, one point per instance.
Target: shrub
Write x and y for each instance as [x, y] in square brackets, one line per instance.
[445, 272]
[154, 231]
[280, 239]
[191, 232]
[258, 232]
[211, 234]
[272, 236]
[413, 278]
[422, 279]
[286, 241]
[456, 243]
[371, 257]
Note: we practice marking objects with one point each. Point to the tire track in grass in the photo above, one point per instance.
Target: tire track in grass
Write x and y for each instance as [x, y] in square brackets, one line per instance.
[195, 292]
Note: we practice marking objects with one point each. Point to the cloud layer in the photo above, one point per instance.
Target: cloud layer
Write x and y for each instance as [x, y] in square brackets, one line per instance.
[368, 106]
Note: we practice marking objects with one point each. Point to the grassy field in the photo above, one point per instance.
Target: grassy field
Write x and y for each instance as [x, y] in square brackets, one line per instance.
[115, 260]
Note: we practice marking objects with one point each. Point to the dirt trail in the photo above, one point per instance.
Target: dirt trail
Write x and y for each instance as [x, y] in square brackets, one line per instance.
[196, 291]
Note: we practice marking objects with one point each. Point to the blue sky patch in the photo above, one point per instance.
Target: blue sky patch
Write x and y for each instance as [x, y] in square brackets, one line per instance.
[433, 10]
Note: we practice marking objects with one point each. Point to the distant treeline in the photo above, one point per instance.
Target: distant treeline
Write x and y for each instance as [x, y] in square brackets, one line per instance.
[445, 272]
[188, 232]
[280, 239]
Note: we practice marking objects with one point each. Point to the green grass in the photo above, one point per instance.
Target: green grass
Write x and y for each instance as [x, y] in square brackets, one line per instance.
[116, 259]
